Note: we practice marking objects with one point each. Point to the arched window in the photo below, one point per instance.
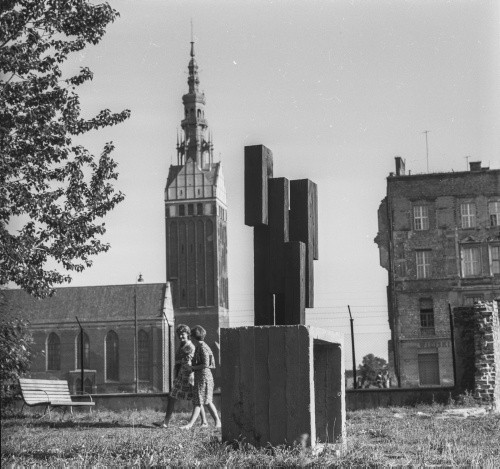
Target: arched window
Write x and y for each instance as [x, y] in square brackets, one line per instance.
[199, 113]
[86, 351]
[112, 356]
[144, 356]
[53, 352]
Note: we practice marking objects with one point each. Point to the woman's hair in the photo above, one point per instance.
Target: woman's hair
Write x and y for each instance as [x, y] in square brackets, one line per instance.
[198, 333]
[182, 328]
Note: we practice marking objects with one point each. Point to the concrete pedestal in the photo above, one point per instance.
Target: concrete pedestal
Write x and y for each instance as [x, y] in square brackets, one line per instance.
[280, 383]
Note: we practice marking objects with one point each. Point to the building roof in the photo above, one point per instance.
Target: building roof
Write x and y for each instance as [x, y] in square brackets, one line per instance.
[100, 303]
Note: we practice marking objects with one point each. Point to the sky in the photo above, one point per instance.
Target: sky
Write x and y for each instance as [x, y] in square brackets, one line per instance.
[335, 89]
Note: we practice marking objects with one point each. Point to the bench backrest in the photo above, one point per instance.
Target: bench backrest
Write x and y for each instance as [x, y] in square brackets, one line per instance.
[44, 390]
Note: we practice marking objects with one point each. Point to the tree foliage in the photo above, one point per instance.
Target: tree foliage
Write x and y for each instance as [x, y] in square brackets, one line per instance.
[370, 367]
[53, 189]
[15, 355]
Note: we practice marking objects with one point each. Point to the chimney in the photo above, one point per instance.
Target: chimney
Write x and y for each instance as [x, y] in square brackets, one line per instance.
[400, 166]
[475, 166]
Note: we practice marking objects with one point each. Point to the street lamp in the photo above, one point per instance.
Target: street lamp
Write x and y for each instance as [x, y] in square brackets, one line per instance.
[136, 341]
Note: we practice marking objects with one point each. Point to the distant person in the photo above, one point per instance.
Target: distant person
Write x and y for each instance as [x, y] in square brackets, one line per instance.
[184, 377]
[378, 380]
[203, 390]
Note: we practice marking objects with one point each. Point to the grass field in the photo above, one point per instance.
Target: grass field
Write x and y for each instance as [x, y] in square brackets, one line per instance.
[416, 437]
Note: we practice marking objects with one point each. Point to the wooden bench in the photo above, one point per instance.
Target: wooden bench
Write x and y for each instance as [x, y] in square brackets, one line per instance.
[50, 393]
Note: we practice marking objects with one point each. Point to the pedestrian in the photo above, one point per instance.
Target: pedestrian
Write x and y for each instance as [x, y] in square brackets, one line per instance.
[203, 390]
[184, 377]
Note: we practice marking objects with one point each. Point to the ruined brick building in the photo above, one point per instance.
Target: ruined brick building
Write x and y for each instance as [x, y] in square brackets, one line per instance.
[196, 222]
[439, 239]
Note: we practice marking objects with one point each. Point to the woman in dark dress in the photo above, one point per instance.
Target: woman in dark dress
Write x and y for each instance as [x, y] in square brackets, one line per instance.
[203, 390]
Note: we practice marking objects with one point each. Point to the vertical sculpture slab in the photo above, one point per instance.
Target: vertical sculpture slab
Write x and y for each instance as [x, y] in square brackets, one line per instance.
[263, 298]
[278, 232]
[258, 169]
[270, 387]
[304, 226]
[295, 283]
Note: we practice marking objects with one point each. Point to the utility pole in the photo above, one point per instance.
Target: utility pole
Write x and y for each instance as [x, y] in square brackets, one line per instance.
[136, 338]
[427, 147]
[82, 373]
[353, 351]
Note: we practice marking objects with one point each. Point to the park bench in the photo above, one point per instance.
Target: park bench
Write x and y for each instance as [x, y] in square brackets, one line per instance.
[50, 393]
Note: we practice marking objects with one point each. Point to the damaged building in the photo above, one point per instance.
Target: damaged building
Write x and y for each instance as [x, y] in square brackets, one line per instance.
[439, 239]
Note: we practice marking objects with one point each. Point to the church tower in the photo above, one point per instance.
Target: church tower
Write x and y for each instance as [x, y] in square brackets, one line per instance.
[196, 222]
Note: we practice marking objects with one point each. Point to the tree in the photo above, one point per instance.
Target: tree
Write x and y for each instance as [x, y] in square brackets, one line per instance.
[53, 188]
[15, 354]
[370, 368]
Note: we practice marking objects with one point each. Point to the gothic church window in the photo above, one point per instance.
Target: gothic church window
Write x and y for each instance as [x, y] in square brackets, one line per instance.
[144, 356]
[190, 209]
[112, 356]
[182, 210]
[199, 209]
[53, 352]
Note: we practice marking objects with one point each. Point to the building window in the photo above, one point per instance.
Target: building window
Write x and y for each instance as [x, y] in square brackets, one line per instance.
[53, 352]
[171, 211]
[471, 261]
[495, 260]
[421, 217]
[182, 210]
[427, 316]
[190, 209]
[428, 369]
[494, 212]
[468, 214]
[86, 351]
[144, 356]
[112, 356]
[199, 209]
[470, 300]
[423, 264]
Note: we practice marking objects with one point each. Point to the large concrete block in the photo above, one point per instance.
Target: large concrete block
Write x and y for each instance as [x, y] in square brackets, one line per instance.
[281, 382]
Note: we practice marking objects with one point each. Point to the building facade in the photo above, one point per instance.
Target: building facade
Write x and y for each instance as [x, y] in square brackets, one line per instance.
[196, 222]
[439, 239]
[127, 336]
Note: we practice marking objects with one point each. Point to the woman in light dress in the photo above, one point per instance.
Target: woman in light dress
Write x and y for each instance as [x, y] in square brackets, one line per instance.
[202, 364]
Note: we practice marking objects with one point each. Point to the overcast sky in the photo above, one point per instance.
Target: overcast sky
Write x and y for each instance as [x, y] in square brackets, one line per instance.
[335, 89]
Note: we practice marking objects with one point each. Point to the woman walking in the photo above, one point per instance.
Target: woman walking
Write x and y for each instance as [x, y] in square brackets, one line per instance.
[183, 383]
[203, 389]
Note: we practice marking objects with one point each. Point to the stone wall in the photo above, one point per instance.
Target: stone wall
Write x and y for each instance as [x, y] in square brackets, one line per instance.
[487, 352]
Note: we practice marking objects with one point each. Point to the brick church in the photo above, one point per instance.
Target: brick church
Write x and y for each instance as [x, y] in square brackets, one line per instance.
[128, 330]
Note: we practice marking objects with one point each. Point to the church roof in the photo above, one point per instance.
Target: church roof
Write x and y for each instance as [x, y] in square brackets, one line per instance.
[100, 303]
[210, 175]
[173, 172]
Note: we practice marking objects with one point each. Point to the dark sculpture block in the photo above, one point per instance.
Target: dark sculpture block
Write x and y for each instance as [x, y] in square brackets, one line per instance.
[284, 215]
[258, 169]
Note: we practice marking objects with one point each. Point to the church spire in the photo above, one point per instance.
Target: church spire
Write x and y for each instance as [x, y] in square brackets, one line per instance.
[194, 143]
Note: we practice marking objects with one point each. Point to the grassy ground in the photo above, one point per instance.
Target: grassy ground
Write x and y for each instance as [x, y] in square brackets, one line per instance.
[375, 438]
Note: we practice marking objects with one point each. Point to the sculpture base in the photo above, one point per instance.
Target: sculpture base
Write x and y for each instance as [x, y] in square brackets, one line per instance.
[282, 385]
